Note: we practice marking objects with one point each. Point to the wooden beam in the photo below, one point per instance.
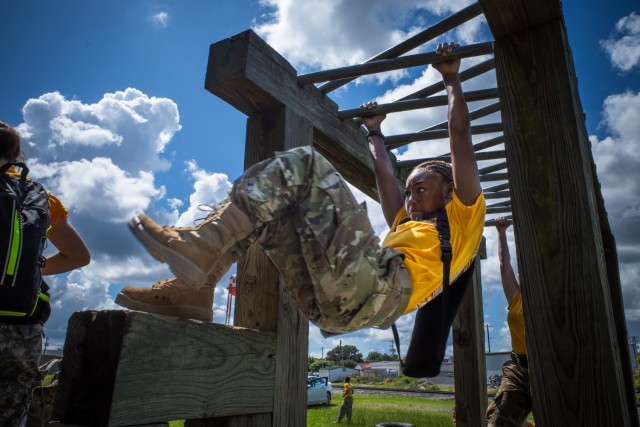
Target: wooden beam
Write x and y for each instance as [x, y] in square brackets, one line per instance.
[396, 141]
[560, 251]
[507, 17]
[390, 64]
[255, 307]
[124, 368]
[418, 103]
[248, 74]
[468, 353]
[419, 39]
[261, 301]
[465, 75]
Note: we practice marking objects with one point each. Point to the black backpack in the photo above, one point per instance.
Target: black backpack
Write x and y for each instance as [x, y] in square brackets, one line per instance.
[24, 222]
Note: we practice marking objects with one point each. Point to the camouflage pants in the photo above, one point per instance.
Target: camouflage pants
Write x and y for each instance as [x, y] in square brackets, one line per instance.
[322, 242]
[512, 403]
[345, 408]
[20, 349]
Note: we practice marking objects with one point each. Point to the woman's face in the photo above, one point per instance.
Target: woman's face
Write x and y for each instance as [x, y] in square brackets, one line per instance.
[425, 194]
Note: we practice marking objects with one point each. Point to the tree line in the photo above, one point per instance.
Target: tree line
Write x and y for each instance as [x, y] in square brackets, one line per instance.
[346, 355]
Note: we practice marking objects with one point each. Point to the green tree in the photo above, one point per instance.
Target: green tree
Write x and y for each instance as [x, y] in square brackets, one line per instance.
[389, 357]
[350, 363]
[374, 356]
[310, 361]
[340, 353]
[319, 364]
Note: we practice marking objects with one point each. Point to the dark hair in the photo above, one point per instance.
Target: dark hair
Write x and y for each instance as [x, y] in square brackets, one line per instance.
[10, 150]
[347, 379]
[439, 166]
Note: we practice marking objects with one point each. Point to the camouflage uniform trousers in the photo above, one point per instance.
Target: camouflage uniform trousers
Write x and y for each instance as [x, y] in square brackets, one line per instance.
[512, 403]
[346, 408]
[322, 242]
[20, 349]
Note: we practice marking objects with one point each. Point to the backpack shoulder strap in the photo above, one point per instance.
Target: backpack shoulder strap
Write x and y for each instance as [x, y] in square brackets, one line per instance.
[23, 174]
[444, 234]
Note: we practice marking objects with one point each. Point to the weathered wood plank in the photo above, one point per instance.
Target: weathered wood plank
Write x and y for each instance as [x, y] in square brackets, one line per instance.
[248, 74]
[511, 16]
[290, 393]
[468, 354]
[88, 368]
[560, 254]
[162, 368]
[260, 300]
[256, 307]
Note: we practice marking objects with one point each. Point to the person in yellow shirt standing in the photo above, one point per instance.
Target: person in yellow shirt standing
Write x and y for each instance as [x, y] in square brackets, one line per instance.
[512, 403]
[347, 402]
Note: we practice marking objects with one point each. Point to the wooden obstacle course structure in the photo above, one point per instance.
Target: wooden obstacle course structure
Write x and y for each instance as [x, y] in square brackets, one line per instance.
[566, 253]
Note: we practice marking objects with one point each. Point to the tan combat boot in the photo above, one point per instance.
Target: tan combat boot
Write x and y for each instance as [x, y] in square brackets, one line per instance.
[173, 297]
[192, 252]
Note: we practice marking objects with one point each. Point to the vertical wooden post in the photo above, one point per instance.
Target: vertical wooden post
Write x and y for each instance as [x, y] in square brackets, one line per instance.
[577, 374]
[468, 353]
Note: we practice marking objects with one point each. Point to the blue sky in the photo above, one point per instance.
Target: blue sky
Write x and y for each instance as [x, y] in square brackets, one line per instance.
[110, 99]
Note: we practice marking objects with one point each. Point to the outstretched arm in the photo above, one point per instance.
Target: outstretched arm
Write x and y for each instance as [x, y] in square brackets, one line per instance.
[389, 190]
[510, 284]
[73, 253]
[465, 169]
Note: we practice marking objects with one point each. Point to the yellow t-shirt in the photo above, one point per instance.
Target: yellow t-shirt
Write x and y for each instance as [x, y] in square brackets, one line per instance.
[515, 320]
[419, 242]
[56, 208]
[347, 390]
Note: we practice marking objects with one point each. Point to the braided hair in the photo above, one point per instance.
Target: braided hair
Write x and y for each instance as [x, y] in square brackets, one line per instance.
[10, 150]
[438, 166]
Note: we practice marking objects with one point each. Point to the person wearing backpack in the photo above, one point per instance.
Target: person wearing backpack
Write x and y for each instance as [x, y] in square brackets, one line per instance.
[29, 216]
[302, 213]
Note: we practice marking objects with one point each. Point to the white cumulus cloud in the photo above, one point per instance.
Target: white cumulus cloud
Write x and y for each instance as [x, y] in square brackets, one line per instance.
[623, 46]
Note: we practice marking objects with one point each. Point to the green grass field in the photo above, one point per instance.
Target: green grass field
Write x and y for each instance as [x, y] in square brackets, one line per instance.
[371, 409]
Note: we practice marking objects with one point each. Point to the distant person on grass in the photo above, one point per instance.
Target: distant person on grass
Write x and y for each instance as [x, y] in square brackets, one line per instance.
[347, 401]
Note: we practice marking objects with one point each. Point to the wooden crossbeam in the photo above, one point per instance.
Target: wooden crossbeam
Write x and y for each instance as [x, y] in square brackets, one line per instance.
[402, 62]
[416, 104]
[486, 155]
[419, 39]
[465, 75]
[473, 115]
[251, 76]
[396, 141]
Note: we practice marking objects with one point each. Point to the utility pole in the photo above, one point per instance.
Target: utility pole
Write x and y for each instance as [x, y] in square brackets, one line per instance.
[488, 337]
[322, 353]
[634, 342]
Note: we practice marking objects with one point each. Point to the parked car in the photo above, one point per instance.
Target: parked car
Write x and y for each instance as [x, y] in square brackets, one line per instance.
[318, 390]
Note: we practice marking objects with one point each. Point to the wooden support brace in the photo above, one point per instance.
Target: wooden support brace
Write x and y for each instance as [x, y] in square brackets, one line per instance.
[124, 368]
